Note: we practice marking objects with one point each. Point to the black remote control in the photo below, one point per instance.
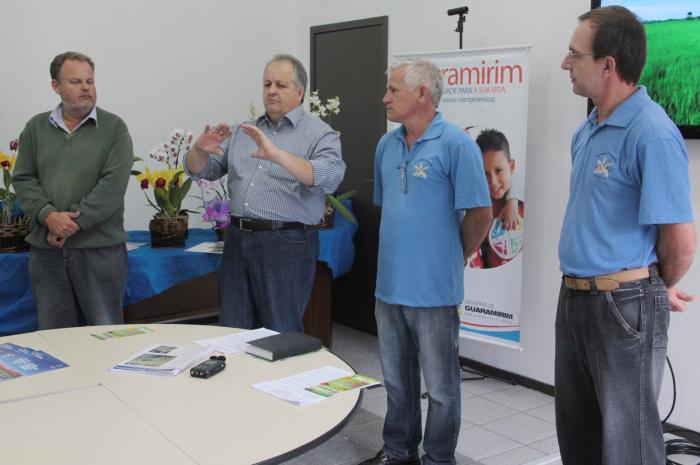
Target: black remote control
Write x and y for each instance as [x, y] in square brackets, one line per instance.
[209, 368]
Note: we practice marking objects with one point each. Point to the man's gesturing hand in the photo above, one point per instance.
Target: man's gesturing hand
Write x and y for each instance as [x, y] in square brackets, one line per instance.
[212, 137]
[266, 149]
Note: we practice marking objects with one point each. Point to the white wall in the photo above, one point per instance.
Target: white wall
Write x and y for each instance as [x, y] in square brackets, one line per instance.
[554, 113]
[160, 65]
[166, 64]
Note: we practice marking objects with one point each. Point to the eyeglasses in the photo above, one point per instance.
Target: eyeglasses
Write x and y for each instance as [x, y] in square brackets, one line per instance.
[572, 55]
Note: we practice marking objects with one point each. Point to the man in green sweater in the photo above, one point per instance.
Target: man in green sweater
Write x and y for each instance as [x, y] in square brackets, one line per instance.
[71, 175]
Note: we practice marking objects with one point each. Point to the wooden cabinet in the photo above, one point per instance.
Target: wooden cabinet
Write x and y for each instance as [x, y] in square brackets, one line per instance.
[198, 300]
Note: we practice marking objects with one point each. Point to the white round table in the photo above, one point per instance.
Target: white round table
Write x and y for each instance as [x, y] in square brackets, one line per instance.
[85, 414]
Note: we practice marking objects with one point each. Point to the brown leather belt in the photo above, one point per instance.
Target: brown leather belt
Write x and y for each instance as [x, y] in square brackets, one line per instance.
[606, 282]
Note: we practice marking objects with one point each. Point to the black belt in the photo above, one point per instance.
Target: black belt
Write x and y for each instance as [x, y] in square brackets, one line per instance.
[254, 224]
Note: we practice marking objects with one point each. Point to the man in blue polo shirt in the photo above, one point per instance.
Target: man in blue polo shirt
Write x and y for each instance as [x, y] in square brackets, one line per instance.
[628, 237]
[430, 183]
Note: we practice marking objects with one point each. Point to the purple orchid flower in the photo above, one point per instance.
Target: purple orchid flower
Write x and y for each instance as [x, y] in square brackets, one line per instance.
[217, 210]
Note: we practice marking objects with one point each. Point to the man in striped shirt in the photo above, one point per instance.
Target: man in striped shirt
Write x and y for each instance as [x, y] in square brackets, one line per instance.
[280, 167]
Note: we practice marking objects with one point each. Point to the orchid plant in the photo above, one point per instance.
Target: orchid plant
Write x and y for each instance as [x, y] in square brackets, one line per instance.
[169, 185]
[325, 110]
[215, 202]
[11, 212]
[215, 196]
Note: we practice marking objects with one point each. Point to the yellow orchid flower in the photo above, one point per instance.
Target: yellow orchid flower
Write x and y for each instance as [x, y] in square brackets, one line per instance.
[171, 185]
[161, 179]
[145, 179]
[7, 162]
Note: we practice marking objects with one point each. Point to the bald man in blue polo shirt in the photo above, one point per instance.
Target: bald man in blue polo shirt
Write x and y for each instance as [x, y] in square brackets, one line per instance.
[430, 183]
[628, 238]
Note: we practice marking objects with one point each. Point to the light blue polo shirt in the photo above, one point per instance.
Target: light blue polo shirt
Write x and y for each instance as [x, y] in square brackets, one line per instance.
[421, 263]
[629, 174]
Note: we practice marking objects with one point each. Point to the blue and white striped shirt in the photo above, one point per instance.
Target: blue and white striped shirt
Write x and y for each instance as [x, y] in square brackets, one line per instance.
[262, 189]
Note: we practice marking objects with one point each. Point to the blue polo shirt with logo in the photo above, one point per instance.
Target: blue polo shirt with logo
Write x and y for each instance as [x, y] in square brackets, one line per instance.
[422, 194]
[629, 174]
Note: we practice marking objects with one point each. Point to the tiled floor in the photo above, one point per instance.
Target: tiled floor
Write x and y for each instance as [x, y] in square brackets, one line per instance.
[501, 424]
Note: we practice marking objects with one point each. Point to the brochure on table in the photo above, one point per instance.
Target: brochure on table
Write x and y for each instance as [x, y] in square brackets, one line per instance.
[17, 361]
[341, 385]
[124, 332]
[236, 342]
[305, 388]
[164, 360]
[207, 247]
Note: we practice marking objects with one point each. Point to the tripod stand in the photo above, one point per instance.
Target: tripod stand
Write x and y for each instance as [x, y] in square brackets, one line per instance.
[478, 376]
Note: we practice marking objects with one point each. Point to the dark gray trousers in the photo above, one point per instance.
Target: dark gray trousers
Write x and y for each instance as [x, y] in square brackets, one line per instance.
[609, 361]
[74, 286]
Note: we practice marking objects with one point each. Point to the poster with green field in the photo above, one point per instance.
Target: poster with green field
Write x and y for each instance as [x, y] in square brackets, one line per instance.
[672, 71]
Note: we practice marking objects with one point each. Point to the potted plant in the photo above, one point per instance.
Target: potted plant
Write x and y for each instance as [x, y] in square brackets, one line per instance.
[14, 224]
[335, 203]
[168, 227]
[216, 206]
[325, 110]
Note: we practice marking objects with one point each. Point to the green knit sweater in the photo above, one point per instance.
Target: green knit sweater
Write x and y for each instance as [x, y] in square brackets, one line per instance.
[86, 171]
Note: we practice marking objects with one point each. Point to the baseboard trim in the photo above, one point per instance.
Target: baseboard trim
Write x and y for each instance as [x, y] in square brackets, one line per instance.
[490, 371]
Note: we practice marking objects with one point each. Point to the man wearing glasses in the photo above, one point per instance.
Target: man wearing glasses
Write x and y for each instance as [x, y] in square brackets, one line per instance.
[628, 237]
[436, 208]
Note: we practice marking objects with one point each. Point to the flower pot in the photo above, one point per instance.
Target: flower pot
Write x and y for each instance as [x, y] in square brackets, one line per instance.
[221, 233]
[12, 236]
[328, 216]
[168, 232]
[327, 221]
[186, 217]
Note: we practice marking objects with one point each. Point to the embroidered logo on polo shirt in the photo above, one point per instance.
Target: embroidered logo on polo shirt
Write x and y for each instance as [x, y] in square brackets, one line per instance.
[603, 165]
[420, 170]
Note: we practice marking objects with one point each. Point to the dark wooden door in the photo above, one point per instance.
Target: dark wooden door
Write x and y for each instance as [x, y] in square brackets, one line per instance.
[349, 60]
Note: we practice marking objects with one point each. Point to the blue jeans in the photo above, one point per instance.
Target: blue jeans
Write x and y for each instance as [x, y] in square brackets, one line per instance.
[75, 286]
[266, 278]
[407, 336]
[609, 361]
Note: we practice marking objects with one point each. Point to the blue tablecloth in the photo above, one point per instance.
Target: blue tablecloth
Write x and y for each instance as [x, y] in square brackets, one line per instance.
[152, 271]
